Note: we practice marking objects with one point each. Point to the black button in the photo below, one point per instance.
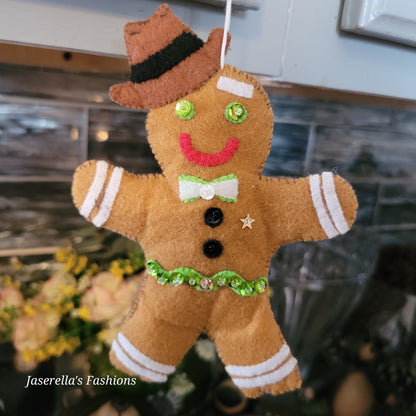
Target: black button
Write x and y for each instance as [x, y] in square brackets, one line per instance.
[212, 248]
[213, 217]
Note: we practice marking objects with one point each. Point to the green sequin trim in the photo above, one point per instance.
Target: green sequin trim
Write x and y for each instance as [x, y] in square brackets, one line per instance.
[226, 278]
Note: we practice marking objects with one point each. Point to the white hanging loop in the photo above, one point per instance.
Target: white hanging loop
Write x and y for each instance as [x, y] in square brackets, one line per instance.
[226, 30]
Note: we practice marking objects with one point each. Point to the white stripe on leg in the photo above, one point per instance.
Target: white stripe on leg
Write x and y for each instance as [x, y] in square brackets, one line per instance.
[269, 378]
[141, 358]
[258, 369]
[134, 367]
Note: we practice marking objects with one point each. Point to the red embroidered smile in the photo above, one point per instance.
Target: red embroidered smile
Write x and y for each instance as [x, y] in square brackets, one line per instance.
[207, 159]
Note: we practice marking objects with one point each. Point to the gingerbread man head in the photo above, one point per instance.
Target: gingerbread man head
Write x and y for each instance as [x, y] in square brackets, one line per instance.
[223, 127]
[204, 120]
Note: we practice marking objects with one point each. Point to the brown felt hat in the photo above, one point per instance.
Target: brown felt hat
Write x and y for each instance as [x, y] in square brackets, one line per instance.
[167, 60]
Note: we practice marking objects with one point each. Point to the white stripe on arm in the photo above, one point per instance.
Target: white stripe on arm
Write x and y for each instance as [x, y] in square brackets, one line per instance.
[109, 197]
[95, 188]
[333, 204]
[318, 203]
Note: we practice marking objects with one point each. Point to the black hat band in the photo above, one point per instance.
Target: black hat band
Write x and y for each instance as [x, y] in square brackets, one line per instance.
[164, 60]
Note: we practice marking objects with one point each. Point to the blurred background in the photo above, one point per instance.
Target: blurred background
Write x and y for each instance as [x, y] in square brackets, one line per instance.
[347, 307]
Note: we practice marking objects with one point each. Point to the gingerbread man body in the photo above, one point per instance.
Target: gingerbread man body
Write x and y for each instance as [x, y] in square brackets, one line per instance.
[209, 226]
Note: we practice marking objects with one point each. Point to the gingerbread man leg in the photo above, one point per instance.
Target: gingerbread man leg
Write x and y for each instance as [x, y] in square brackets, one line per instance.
[253, 349]
[150, 347]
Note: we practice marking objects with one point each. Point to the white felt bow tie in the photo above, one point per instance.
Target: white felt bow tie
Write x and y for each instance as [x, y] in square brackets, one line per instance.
[192, 188]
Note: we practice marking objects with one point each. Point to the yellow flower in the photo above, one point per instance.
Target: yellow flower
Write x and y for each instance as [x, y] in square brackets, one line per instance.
[62, 254]
[60, 346]
[40, 355]
[116, 269]
[73, 343]
[128, 269]
[66, 307]
[27, 355]
[93, 269]
[81, 265]
[70, 262]
[68, 291]
[56, 348]
[51, 349]
[84, 313]
[29, 310]
[44, 307]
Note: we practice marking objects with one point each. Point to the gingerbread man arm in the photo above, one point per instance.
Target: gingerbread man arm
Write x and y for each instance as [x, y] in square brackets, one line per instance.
[312, 208]
[109, 197]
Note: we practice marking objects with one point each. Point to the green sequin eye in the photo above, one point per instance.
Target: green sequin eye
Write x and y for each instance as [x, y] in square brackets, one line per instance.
[184, 109]
[235, 113]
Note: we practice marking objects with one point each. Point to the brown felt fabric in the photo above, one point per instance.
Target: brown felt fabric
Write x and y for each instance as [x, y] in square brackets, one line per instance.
[147, 209]
[185, 77]
[145, 38]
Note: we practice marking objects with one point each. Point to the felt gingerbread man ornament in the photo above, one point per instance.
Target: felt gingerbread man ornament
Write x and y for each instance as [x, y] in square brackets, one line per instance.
[211, 222]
